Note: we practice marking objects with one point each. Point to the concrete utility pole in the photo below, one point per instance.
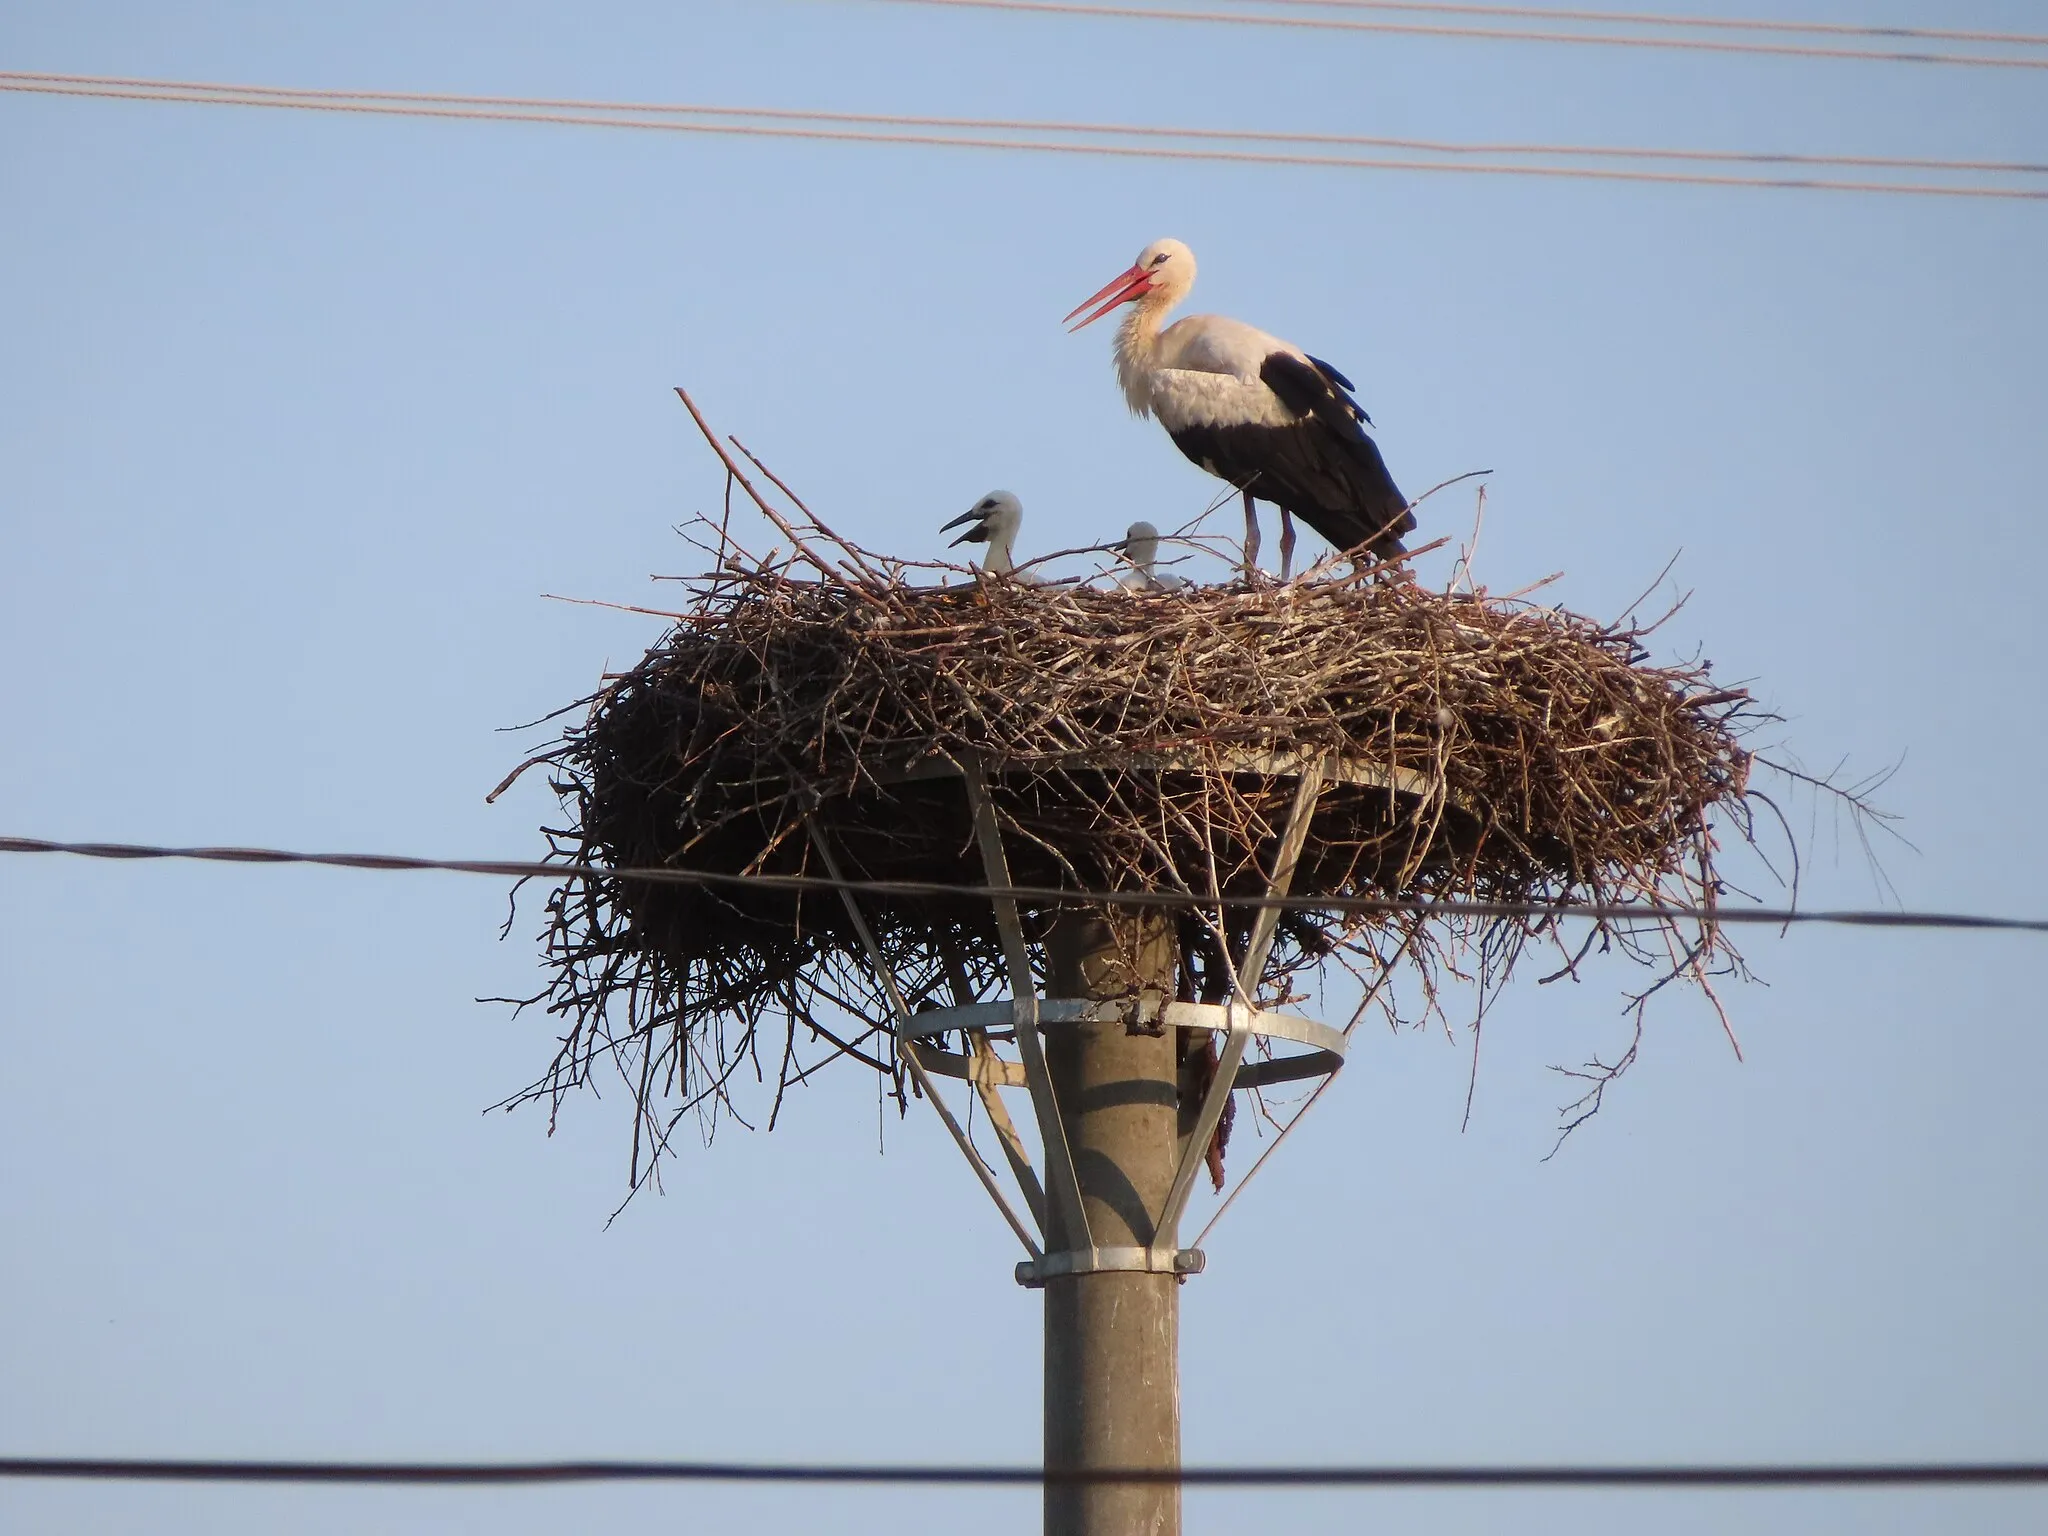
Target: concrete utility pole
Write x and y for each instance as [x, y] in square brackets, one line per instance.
[1123, 1126]
[1112, 1338]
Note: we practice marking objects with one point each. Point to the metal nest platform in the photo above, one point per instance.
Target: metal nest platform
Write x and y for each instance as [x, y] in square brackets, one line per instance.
[1055, 1205]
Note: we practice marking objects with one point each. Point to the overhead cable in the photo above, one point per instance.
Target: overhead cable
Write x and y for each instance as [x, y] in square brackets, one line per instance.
[1490, 34]
[1666, 19]
[665, 118]
[1828, 1475]
[1053, 126]
[522, 869]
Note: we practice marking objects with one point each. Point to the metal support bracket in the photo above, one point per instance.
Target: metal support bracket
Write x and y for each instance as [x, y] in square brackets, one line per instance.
[1033, 1273]
[1056, 1208]
[1324, 1056]
[908, 1051]
[1063, 1184]
[1242, 1008]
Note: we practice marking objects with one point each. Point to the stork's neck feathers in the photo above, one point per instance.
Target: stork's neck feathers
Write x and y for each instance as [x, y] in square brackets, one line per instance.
[1001, 527]
[1137, 349]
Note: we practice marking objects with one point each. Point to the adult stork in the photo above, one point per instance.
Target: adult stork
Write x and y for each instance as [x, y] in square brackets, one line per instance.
[995, 519]
[1252, 409]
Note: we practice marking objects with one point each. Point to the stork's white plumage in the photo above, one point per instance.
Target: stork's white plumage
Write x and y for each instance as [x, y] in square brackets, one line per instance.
[1251, 409]
[1140, 546]
[995, 519]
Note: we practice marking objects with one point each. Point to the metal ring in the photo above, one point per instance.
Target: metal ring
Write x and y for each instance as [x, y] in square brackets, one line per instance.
[1033, 1273]
[1325, 1056]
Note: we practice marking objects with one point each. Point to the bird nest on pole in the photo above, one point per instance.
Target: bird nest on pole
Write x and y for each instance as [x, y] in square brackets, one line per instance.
[823, 717]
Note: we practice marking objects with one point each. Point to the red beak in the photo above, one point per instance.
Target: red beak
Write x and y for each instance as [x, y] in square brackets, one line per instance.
[1127, 285]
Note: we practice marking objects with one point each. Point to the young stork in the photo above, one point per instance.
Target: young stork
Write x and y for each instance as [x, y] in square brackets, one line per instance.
[995, 518]
[1140, 546]
[1252, 409]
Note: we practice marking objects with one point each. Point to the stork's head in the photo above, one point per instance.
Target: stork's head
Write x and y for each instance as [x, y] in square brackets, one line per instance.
[994, 519]
[1162, 274]
[1140, 545]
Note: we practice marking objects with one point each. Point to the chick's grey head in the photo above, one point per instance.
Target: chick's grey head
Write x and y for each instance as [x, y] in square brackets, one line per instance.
[1140, 543]
[997, 513]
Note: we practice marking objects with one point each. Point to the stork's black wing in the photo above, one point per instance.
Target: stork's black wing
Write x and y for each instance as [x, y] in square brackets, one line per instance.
[1338, 379]
[1330, 373]
[1325, 469]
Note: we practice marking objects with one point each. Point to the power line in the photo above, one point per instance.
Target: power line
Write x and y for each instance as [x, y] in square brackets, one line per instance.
[1487, 34]
[1363, 905]
[392, 105]
[1665, 19]
[1835, 1475]
[1036, 125]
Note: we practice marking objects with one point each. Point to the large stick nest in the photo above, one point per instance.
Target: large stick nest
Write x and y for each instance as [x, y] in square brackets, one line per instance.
[1131, 741]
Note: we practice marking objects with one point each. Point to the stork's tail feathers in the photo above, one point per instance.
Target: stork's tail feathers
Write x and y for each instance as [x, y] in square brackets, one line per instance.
[1384, 542]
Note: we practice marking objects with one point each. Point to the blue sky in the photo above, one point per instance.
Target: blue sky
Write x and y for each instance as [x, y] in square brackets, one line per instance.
[301, 415]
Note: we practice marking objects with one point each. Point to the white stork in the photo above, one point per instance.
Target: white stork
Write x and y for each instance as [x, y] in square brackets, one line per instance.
[1252, 409]
[995, 518]
[1140, 546]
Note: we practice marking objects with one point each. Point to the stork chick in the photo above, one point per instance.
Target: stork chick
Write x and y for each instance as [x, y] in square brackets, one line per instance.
[1140, 546]
[995, 519]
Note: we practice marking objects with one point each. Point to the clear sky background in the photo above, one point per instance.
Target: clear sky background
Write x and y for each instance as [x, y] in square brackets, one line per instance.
[301, 415]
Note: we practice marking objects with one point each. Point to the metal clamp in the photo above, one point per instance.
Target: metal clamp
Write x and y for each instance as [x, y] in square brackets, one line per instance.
[1033, 1273]
[1325, 1056]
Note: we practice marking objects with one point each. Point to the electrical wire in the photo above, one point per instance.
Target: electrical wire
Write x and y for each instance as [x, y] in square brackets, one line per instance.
[399, 105]
[1665, 19]
[1051, 126]
[1486, 34]
[521, 869]
[1836, 1475]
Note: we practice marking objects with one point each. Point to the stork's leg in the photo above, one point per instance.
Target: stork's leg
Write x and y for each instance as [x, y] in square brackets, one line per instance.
[1286, 544]
[1251, 536]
